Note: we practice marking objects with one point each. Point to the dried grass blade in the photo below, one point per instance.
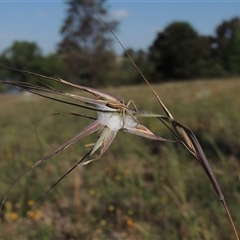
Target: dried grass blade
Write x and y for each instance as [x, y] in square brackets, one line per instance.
[92, 128]
[106, 138]
[92, 104]
[47, 192]
[183, 133]
[191, 142]
[142, 131]
[68, 113]
[98, 93]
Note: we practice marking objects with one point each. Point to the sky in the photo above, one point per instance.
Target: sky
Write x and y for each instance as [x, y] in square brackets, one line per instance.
[40, 21]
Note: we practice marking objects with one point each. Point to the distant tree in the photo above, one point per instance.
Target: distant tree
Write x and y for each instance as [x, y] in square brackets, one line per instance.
[50, 65]
[21, 54]
[233, 55]
[25, 55]
[179, 52]
[129, 75]
[86, 45]
[227, 45]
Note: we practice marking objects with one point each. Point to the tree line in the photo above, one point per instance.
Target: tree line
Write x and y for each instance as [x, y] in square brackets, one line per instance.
[85, 55]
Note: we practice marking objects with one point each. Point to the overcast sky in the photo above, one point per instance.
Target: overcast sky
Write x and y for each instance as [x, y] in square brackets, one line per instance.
[40, 21]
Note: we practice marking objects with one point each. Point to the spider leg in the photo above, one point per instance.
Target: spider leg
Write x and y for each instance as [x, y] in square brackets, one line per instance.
[134, 105]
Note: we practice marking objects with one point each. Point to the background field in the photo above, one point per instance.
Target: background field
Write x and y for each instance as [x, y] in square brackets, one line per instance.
[140, 189]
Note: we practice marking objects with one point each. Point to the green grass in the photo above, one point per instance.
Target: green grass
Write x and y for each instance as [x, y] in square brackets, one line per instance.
[140, 189]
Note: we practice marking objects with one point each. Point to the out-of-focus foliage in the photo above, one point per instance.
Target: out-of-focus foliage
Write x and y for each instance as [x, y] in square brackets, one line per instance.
[227, 45]
[179, 52]
[126, 74]
[27, 56]
[168, 48]
[86, 45]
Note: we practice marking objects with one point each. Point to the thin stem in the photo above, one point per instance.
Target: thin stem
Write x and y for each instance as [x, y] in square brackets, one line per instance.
[230, 219]
[57, 182]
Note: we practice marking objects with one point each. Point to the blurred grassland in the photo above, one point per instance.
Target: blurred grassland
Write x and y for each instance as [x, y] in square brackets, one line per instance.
[140, 189]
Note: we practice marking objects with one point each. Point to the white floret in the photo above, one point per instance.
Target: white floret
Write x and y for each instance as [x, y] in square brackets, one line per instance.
[116, 121]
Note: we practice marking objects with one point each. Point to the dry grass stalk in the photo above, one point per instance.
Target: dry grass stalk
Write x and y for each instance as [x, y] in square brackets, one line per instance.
[187, 138]
[115, 115]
